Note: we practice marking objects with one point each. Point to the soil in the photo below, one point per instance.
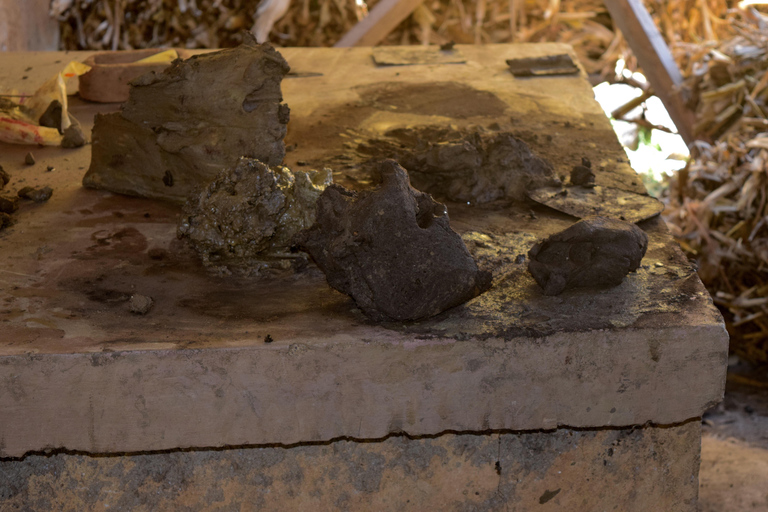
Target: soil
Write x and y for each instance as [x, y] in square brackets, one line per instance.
[392, 250]
[593, 253]
[734, 446]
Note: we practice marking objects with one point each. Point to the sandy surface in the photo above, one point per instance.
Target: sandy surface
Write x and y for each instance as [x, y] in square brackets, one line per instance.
[734, 446]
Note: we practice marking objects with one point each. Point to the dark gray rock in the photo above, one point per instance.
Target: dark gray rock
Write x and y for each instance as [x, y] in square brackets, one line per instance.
[392, 249]
[596, 252]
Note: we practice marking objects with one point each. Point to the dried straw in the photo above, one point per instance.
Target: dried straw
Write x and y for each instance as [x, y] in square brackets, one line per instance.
[718, 205]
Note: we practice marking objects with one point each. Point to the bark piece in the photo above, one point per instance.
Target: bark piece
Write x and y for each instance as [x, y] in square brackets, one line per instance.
[596, 252]
[248, 216]
[193, 120]
[392, 249]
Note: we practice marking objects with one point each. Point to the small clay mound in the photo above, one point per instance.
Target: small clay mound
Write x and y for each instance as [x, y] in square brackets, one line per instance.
[247, 217]
[469, 165]
[392, 249]
[595, 252]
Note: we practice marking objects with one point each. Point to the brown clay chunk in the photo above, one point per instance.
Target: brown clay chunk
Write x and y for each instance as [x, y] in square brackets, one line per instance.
[196, 118]
[4, 177]
[38, 195]
[251, 213]
[392, 249]
[596, 252]
[9, 204]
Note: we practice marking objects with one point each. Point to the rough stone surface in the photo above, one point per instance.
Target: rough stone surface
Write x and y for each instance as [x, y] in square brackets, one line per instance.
[470, 165]
[392, 250]
[248, 216]
[192, 121]
[38, 195]
[634, 469]
[594, 252]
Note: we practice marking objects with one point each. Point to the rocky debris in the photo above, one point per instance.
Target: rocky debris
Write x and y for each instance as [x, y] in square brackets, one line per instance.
[582, 175]
[5, 220]
[38, 195]
[469, 165]
[29, 159]
[191, 121]
[9, 204]
[248, 215]
[74, 137]
[392, 249]
[51, 118]
[4, 178]
[140, 304]
[595, 252]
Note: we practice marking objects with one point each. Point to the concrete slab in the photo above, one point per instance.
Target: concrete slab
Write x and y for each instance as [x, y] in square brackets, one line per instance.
[79, 371]
[630, 470]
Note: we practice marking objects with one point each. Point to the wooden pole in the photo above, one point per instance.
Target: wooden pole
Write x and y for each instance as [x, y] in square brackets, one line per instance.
[654, 57]
[383, 18]
[25, 25]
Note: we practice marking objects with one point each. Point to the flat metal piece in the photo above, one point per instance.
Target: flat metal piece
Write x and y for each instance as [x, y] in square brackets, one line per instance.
[413, 55]
[608, 202]
[560, 64]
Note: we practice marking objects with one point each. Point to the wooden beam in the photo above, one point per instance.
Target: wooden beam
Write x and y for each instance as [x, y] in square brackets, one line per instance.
[26, 26]
[654, 57]
[383, 18]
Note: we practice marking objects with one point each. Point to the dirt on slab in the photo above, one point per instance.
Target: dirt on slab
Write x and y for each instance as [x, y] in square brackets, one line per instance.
[466, 165]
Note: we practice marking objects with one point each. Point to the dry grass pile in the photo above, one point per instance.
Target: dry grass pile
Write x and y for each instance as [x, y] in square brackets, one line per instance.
[128, 24]
[718, 205]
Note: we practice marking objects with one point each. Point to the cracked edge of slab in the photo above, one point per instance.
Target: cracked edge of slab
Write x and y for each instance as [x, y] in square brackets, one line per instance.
[292, 393]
